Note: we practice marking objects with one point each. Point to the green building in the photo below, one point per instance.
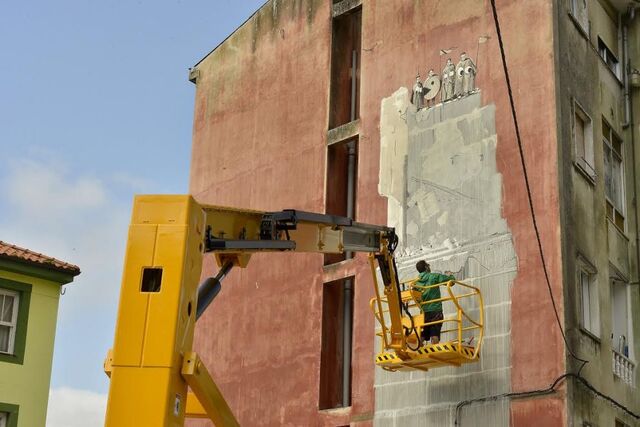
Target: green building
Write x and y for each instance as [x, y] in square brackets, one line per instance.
[29, 292]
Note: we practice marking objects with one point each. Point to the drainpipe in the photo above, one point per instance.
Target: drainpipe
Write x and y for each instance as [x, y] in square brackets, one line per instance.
[347, 335]
[629, 122]
[625, 72]
[346, 344]
[626, 66]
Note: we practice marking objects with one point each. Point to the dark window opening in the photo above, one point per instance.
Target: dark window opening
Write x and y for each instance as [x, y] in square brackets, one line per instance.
[345, 68]
[337, 333]
[614, 176]
[151, 280]
[609, 58]
[342, 173]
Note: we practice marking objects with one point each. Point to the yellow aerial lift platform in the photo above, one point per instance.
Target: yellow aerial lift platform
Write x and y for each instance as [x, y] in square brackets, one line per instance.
[152, 363]
[465, 332]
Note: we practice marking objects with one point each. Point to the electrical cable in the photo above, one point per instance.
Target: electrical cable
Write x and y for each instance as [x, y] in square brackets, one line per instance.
[412, 329]
[528, 186]
[577, 376]
[541, 392]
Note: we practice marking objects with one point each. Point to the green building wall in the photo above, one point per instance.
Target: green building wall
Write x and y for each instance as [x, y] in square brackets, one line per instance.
[26, 385]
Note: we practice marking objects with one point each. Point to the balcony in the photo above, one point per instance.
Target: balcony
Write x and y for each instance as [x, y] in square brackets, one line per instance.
[623, 368]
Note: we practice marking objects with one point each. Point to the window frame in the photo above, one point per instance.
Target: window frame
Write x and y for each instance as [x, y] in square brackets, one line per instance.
[11, 412]
[13, 323]
[610, 154]
[573, 11]
[607, 54]
[20, 343]
[623, 289]
[586, 268]
[584, 162]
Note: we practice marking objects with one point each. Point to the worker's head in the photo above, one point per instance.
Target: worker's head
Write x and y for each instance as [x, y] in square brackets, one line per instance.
[422, 266]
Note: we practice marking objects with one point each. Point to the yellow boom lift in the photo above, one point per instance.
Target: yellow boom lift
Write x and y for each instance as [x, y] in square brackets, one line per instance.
[152, 364]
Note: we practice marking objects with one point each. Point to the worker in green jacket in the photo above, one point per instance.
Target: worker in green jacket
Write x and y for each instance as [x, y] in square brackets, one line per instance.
[432, 310]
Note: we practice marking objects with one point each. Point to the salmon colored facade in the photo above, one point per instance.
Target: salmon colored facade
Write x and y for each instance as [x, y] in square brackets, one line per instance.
[260, 140]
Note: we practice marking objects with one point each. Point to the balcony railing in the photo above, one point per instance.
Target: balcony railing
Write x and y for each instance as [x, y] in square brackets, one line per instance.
[623, 368]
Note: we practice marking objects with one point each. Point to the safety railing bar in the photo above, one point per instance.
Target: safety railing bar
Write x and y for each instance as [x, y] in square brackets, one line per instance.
[466, 285]
[442, 299]
[468, 328]
[375, 286]
[377, 315]
[476, 325]
[431, 286]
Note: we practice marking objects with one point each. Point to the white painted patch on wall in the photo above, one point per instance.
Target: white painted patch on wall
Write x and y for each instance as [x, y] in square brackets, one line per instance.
[438, 172]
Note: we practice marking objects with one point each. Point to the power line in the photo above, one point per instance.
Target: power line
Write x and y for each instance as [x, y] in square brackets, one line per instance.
[543, 392]
[528, 186]
[578, 377]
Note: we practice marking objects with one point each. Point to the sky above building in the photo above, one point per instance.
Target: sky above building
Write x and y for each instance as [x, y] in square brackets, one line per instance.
[95, 106]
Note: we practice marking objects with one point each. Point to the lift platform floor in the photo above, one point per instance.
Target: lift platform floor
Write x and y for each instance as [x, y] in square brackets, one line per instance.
[428, 356]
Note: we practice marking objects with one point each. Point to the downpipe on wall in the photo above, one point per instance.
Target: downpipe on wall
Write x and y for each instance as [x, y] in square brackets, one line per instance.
[347, 315]
[629, 122]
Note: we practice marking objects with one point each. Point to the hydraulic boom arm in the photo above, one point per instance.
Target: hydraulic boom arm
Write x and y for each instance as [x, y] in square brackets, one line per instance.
[152, 361]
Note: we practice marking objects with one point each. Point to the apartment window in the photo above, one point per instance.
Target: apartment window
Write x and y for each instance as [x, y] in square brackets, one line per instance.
[342, 172]
[583, 140]
[609, 58]
[15, 298]
[8, 415]
[337, 332]
[580, 13]
[620, 316]
[590, 319]
[621, 343]
[613, 175]
[345, 68]
[9, 301]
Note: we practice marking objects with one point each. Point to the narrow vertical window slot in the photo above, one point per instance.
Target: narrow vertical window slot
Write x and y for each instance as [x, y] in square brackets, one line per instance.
[342, 173]
[345, 68]
[337, 336]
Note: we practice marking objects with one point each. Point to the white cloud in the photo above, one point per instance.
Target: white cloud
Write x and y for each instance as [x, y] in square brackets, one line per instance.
[135, 183]
[42, 190]
[53, 209]
[70, 407]
[70, 217]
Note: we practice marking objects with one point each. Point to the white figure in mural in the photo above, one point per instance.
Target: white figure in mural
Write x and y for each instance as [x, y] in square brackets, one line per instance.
[469, 77]
[417, 97]
[458, 90]
[431, 88]
[448, 80]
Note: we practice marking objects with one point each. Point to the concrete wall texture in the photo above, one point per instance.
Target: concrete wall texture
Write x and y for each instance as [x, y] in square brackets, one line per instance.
[447, 210]
[449, 178]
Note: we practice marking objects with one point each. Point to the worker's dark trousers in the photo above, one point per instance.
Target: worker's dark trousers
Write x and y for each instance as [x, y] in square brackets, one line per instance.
[432, 330]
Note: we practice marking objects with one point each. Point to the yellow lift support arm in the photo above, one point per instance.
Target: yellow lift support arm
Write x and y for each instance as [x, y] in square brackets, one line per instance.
[152, 362]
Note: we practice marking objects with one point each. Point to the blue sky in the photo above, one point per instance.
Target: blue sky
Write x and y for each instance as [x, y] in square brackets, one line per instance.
[95, 106]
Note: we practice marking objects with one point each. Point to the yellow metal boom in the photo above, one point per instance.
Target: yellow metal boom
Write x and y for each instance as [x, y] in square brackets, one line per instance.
[152, 364]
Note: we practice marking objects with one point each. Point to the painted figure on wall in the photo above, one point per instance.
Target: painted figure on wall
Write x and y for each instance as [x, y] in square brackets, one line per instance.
[448, 80]
[469, 78]
[458, 88]
[417, 96]
[431, 88]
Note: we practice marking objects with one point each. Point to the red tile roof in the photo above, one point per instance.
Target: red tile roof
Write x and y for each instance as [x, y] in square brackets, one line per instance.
[16, 253]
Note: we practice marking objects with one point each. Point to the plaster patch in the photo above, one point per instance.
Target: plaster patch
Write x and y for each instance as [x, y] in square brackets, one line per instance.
[442, 219]
[438, 171]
